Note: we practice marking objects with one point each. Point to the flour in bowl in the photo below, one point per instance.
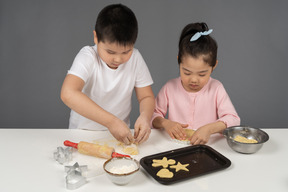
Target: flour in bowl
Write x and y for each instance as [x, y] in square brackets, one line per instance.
[123, 169]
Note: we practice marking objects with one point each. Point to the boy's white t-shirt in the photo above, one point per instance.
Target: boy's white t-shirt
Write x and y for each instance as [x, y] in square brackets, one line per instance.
[109, 88]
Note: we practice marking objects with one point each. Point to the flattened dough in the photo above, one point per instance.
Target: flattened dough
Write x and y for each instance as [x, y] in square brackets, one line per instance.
[164, 162]
[179, 167]
[165, 173]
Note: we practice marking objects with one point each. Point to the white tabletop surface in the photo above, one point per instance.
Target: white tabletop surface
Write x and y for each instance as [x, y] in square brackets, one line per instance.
[27, 164]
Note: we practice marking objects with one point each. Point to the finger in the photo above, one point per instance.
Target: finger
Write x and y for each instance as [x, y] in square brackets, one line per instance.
[126, 141]
[176, 135]
[180, 133]
[184, 125]
[143, 136]
[130, 138]
[171, 135]
[136, 132]
[193, 140]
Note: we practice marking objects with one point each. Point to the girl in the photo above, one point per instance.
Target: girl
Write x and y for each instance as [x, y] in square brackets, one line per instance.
[195, 100]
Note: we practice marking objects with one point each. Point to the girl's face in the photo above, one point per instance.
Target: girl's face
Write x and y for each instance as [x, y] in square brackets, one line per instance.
[113, 54]
[194, 73]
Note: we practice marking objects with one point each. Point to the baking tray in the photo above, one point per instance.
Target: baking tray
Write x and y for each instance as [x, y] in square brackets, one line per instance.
[202, 159]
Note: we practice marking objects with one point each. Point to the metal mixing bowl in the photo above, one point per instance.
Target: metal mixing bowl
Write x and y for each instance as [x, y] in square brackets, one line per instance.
[250, 133]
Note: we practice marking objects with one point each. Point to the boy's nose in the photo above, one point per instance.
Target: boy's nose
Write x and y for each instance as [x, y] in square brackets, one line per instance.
[117, 59]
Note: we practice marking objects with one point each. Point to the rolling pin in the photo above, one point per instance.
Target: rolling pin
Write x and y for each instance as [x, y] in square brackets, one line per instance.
[95, 150]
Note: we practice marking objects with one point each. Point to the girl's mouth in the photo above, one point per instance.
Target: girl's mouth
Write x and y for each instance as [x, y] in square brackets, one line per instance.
[193, 86]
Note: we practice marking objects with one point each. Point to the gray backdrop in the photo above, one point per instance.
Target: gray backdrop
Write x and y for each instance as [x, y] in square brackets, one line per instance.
[39, 40]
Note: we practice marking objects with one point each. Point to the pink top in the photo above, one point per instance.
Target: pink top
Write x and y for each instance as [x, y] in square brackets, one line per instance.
[208, 105]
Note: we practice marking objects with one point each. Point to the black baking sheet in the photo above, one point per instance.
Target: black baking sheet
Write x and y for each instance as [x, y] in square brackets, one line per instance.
[202, 159]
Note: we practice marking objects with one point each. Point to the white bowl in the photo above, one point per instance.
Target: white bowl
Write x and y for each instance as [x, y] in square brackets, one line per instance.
[121, 170]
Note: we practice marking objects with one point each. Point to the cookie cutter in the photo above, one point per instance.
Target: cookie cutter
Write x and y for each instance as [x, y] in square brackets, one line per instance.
[74, 178]
[63, 155]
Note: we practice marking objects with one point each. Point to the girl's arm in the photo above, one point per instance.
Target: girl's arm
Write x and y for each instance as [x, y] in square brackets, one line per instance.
[174, 129]
[146, 101]
[202, 134]
[74, 98]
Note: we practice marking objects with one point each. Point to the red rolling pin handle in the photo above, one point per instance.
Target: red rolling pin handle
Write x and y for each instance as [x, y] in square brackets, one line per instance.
[114, 154]
[71, 144]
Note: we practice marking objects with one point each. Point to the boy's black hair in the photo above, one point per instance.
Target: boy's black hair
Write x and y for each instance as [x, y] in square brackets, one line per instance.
[117, 23]
[205, 46]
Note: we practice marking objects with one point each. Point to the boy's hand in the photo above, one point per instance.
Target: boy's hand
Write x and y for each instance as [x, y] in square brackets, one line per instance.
[142, 130]
[121, 132]
[175, 129]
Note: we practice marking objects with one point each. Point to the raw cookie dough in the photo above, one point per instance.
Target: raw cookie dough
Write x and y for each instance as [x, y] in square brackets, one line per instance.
[164, 162]
[179, 167]
[244, 139]
[131, 149]
[165, 173]
[189, 133]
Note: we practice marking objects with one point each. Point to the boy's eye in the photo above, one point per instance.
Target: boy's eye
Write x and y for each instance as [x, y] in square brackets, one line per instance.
[110, 52]
[125, 53]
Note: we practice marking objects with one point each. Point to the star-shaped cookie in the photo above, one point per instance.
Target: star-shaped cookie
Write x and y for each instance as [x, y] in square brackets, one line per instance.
[179, 167]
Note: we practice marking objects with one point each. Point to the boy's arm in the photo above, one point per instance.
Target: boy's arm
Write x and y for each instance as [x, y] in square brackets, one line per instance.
[146, 101]
[74, 98]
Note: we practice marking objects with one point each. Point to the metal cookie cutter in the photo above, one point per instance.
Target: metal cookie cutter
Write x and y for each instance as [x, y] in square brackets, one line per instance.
[74, 178]
[63, 155]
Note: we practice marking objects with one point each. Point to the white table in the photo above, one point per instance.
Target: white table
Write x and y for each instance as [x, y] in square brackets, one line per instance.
[27, 164]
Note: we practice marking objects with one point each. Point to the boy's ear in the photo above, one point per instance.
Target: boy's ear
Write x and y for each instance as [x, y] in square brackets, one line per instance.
[95, 37]
[215, 65]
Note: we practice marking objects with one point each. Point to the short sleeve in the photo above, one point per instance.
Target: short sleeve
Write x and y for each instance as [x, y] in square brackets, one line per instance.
[83, 63]
[143, 77]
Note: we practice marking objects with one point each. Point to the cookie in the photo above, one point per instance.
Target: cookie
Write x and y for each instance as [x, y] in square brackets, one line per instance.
[179, 167]
[164, 162]
[165, 173]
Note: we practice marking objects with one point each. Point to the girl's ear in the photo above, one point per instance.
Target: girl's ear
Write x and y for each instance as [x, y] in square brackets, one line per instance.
[215, 65]
[95, 37]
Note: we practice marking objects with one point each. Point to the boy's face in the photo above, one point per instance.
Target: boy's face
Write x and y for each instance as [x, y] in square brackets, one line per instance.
[113, 54]
[194, 73]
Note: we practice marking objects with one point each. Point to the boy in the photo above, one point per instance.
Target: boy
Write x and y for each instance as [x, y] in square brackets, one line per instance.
[99, 85]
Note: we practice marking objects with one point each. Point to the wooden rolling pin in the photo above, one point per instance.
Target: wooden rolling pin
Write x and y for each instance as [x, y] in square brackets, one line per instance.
[95, 150]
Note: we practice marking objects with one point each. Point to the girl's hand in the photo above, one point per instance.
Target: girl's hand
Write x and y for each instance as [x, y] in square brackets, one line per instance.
[142, 130]
[121, 131]
[175, 129]
[201, 135]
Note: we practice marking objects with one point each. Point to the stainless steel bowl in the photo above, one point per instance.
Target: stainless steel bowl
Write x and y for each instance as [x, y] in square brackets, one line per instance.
[250, 133]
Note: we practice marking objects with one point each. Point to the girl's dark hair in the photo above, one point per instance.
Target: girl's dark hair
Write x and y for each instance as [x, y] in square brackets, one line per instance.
[205, 46]
[117, 23]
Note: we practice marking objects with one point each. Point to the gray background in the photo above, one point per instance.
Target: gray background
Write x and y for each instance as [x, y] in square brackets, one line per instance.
[39, 40]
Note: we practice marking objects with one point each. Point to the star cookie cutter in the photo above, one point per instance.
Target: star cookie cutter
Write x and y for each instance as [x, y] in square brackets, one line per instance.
[74, 178]
[63, 155]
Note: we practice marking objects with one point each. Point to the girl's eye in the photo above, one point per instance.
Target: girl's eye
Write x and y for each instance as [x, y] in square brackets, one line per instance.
[186, 73]
[202, 75]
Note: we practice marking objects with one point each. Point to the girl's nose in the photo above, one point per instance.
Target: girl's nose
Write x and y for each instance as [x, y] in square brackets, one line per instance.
[193, 79]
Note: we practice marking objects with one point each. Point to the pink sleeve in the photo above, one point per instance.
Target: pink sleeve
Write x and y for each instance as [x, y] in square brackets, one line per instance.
[225, 109]
[161, 104]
